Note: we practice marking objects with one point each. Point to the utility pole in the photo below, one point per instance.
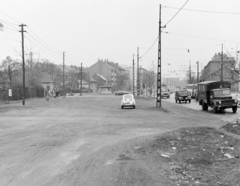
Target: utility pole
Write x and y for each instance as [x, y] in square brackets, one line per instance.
[63, 75]
[190, 73]
[197, 71]
[23, 63]
[222, 64]
[133, 78]
[81, 81]
[138, 74]
[159, 78]
[140, 80]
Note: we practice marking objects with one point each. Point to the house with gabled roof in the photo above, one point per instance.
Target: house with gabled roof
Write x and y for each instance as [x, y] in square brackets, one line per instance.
[108, 70]
[46, 81]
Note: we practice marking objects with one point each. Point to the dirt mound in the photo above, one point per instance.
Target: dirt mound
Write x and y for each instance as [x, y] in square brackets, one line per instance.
[194, 156]
[232, 127]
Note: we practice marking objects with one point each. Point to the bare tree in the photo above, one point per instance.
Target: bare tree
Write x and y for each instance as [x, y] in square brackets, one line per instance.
[10, 71]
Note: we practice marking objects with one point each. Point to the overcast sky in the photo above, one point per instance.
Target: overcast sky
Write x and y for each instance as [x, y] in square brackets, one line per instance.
[113, 29]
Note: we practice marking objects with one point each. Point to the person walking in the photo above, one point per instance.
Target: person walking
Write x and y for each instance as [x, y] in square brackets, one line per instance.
[57, 93]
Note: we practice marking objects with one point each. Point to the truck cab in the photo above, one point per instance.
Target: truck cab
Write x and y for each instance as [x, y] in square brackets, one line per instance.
[217, 95]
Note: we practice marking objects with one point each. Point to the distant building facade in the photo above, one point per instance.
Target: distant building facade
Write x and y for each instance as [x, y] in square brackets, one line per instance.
[107, 70]
[212, 71]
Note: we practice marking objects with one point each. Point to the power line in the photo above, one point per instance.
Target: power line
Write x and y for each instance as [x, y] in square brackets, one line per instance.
[163, 28]
[10, 24]
[43, 41]
[200, 37]
[177, 13]
[9, 28]
[44, 49]
[49, 49]
[9, 38]
[205, 11]
[10, 17]
[150, 47]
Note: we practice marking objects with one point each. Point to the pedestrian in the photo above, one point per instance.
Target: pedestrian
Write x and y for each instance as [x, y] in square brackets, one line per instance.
[57, 92]
[54, 93]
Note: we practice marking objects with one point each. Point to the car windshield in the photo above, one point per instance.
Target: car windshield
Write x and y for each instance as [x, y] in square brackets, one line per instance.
[222, 92]
[128, 96]
[183, 93]
[165, 90]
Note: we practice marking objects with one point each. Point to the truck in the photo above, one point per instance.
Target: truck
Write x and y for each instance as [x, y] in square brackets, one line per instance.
[217, 95]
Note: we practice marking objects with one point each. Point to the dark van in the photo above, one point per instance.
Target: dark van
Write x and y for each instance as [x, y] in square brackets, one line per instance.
[217, 95]
[183, 95]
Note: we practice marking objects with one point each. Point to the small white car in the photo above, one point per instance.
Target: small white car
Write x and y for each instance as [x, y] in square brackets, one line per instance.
[128, 101]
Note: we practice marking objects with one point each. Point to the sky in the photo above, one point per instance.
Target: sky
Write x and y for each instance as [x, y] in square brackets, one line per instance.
[88, 30]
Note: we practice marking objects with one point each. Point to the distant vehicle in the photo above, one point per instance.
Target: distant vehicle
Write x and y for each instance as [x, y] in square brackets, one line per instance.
[120, 92]
[191, 88]
[196, 94]
[182, 95]
[165, 93]
[217, 95]
[128, 101]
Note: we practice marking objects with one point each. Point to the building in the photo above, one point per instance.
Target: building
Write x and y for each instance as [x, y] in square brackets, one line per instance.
[212, 71]
[46, 81]
[107, 70]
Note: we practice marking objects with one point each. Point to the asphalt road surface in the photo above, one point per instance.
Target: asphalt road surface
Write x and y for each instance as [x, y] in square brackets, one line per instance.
[226, 116]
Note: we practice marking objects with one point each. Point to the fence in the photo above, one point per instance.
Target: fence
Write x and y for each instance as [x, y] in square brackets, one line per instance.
[17, 93]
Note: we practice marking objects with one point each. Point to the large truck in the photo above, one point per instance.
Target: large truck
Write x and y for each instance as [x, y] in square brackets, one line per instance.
[217, 95]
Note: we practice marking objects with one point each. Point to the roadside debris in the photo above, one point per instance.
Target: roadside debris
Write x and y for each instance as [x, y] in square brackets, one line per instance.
[194, 156]
[232, 127]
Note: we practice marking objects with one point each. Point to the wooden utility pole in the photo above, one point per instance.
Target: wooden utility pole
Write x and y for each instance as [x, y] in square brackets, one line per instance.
[63, 74]
[138, 74]
[133, 77]
[23, 62]
[190, 73]
[222, 64]
[197, 71]
[81, 81]
[159, 78]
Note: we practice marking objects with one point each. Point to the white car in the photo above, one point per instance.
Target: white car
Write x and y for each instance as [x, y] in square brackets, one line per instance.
[128, 101]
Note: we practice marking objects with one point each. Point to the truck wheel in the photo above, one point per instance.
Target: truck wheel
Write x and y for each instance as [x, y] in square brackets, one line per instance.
[214, 109]
[234, 109]
[203, 107]
[206, 107]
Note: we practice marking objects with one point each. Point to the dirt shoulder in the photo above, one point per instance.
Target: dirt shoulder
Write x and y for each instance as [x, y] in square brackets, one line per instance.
[84, 140]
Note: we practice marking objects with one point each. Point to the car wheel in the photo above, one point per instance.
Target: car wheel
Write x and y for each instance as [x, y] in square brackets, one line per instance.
[122, 107]
[185, 101]
[179, 101]
[176, 100]
[189, 101]
[234, 109]
[133, 107]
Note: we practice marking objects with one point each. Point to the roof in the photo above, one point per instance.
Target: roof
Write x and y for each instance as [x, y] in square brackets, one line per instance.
[44, 77]
[92, 80]
[206, 82]
[113, 65]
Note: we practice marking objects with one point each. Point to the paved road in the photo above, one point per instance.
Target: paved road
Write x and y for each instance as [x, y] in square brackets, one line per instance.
[226, 116]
